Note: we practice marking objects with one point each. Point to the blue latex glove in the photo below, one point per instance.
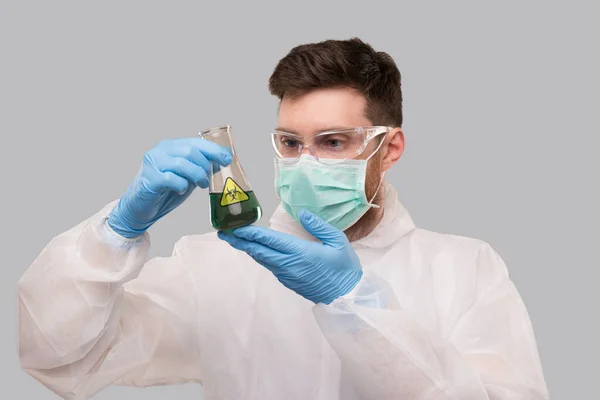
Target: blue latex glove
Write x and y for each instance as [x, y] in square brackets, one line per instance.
[320, 272]
[169, 174]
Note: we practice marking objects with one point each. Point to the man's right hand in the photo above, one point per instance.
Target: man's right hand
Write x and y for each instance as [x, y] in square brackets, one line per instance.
[169, 174]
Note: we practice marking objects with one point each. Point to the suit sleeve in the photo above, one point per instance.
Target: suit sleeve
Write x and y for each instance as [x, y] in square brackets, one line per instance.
[93, 311]
[490, 354]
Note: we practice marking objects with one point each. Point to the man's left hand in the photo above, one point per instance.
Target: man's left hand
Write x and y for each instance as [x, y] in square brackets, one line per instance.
[320, 272]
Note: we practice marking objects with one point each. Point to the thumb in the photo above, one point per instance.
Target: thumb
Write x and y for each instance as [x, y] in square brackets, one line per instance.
[321, 229]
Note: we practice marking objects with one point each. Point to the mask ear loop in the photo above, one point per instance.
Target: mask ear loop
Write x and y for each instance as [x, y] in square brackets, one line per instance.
[371, 204]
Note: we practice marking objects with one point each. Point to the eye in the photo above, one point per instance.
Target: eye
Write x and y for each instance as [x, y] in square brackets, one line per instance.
[289, 142]
[333, 143]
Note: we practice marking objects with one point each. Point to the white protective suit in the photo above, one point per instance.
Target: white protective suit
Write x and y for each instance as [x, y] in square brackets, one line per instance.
[435, 317]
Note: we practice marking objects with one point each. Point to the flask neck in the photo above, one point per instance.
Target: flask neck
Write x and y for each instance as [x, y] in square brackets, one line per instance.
[220, 135]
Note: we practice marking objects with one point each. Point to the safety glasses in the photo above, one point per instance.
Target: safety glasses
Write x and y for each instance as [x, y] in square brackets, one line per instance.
[331, 147]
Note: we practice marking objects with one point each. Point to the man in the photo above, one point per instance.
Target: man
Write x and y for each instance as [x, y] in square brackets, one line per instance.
[341, 298]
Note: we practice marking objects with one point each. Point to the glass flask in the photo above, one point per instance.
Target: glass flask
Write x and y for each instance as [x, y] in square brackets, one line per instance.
[233, 204]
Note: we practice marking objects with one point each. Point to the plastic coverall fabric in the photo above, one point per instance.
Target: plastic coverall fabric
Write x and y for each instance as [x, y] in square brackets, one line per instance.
[435, 316]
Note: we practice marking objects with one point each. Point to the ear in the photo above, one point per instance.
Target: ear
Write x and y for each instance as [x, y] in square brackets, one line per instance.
[393, 147]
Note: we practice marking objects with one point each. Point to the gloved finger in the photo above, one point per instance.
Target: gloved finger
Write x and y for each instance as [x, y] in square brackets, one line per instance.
[193, 155]
[278, 241]
[261, 254]
[184, 168]
[164, 181]
[321, 229]
[208, 149]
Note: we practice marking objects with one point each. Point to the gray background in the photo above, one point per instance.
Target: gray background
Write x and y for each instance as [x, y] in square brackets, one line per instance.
[502, 142]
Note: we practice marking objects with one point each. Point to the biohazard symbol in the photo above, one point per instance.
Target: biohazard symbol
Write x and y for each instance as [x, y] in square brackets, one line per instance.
[232, 193]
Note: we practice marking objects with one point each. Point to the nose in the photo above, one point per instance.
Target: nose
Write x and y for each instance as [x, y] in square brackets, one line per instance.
[309, 150]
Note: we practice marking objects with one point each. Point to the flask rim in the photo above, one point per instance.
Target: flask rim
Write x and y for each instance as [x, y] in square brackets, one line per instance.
[215, 130]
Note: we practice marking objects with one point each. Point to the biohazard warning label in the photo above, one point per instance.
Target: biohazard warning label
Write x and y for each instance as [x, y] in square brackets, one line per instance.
[232, 193]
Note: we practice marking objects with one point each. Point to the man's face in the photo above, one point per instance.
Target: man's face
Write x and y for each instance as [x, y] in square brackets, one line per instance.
[326, 109]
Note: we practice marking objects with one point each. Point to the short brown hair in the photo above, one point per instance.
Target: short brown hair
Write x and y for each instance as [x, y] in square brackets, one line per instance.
[343, 63]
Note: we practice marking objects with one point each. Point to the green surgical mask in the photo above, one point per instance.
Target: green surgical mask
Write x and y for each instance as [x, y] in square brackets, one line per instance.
[334, 192]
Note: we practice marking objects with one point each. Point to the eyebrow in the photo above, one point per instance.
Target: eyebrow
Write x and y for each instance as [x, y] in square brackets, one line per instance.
[331, 128]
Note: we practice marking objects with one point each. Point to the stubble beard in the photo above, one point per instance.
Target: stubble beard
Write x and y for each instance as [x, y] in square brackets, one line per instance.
[368, 222]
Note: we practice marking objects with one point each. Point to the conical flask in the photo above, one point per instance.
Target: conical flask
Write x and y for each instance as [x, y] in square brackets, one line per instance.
[233, 204]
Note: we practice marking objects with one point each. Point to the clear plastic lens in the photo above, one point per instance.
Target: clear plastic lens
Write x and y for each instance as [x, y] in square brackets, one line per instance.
[330, 146]
[287, 146]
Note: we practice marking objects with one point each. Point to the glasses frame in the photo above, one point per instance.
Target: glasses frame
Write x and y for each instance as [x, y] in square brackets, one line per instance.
[371, 133]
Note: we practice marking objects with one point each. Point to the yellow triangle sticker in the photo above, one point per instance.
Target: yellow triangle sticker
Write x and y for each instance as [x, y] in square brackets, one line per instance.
[232, 193]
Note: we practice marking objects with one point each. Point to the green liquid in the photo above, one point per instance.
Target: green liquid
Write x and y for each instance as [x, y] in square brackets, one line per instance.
[235, 215]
